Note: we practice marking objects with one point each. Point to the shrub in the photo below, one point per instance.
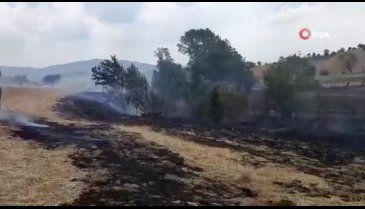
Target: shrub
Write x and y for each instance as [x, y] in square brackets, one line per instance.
[323, 72]
[223, 105]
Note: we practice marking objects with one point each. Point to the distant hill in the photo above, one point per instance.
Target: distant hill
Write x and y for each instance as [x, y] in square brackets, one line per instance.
[334, 67]
[74, 75]
[331, 64]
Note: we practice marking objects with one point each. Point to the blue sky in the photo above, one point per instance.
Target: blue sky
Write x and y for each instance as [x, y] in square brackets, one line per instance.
[41, 34]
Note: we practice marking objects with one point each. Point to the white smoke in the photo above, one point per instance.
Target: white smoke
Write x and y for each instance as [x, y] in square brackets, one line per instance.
[19, 120]
[102, 99]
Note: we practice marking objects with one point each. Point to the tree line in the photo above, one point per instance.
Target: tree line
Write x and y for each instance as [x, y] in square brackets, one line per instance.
[214, 86]
[19, 79]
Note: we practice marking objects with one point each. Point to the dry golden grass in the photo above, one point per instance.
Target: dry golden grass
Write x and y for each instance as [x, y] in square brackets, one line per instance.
[32, 175]
[36, 102]
[230, 168]
[335, 66]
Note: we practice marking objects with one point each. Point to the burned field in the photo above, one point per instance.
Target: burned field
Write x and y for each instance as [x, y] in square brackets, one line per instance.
[133, 160]
[338, 159]
[124, 170]
[335, 158]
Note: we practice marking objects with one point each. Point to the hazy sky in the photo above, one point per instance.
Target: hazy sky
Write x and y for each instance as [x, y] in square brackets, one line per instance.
[41, 34]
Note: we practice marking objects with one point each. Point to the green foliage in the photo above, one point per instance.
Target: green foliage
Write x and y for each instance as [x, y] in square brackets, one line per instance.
[286, 79]
[222, 105]
[51, 79]
[326, 52]
[214, 60]
[124, 85]
[234, 102]
[216, 107]
[155, 102]
[170, 79]
[361, 46]
[169, 82]
[136, 86]
[134, 79]
[348, 60]
[211, 108]
[110, 75]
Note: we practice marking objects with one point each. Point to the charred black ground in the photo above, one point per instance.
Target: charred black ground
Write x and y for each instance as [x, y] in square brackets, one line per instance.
[138, 173]
[141, 173]
[323, 151]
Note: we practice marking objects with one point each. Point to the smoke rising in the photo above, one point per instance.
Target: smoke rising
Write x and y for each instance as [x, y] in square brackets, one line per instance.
[19, 119]
[104, 102]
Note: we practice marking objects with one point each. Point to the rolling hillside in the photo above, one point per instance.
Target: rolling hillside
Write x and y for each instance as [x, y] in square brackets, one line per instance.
[331, 64]
[75, 75]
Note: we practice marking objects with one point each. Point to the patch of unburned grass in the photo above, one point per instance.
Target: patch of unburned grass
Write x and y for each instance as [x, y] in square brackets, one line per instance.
[33, 175]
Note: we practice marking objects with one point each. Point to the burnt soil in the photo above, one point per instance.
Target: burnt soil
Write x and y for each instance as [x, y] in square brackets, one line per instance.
[141, 173]
[137, 173]
[337, 157]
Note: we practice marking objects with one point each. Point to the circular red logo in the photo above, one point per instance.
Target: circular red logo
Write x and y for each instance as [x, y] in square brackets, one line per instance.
[305, 33]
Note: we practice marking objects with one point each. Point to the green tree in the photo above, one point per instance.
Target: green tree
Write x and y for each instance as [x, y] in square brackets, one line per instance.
[361, 46]
[169, 81]
[348, 60]
[51, 79]
[110, 75]
[326, 52]
[216, 107]
[234, 102]
[136, 86]
[286, 79]
[213, 62]
[125, 86]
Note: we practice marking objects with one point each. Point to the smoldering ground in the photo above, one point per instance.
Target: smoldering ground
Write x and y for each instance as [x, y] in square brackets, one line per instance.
[18, 119]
